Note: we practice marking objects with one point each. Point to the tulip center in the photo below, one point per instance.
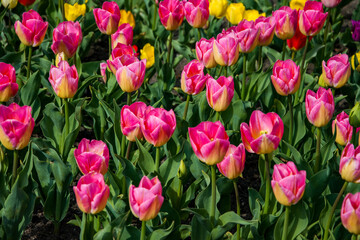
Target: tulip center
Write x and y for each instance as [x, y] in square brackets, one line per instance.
[211, 139]
[263, 132]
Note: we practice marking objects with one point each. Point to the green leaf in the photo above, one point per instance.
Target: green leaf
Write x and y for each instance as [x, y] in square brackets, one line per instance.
[317, 184]
[30, 90]
[161, 234]
[169, 168]
[146, 162]
[232, 217]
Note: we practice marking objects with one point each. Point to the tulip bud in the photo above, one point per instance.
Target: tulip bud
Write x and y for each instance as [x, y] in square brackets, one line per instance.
[127, 17]
[72, 12]
[64, 79]
[330, 3]
[130, 120]
[107, 18]
[319, 106]
[204, 52]
[355, 30]
[171, 13]
[285, 20]
[123, 35]
[354, 116]
[8, 85]
[220, 92]
[67, 36]
[252, 15]
[286, 77]
[350, 213]
[148, 53]
[197, 12]
[343, 129]
[312, 18]
[247, 35]
[336, 71]
[226, 49]
[235, 13]
[192, 78]
[218, 8]
[234, 161]
[355, 61]
[9, 3]
[182, 172]
[267, 30]
[26, 2]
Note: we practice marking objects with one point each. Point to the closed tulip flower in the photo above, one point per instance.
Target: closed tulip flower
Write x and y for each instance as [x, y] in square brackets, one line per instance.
[67, 37]
[288, 183]
[330, 3]
[171, 13]
[107, 18]
[64, 79]
[26, 2]
[158, 125]
[9, 3]
[235, 13]
[319, 106]
[8, 85]
[193, 79]
[267, 30]
[343, 129]
[263, 134]
[148, 53]
[234, 162]
[226, 49]
[204, 52]
[92, 156]
[217, 8]
[220, 92]
[297, 4]
[16, 126]
[127, 17]
[209, 141]
[298, 41]
[355, 61]
[31, 31]
[119, 51]
[123, 35]
[130, 120]
[197, 12]
[312, 18]
[350, 213]
[285, 20]
[355, 30]
[247, 35]
[350, 164]
[336, 71]
[286, 77]
[146, 199]
[91, 193]
[252, 15]
[72, 12]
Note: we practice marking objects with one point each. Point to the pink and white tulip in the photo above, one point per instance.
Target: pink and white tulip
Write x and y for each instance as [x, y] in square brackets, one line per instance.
[120, 50]
[220, 92]
[204, 52]
[107, 18]
[286, 77]
[336, 71]
[234, 162]
[312, 18]
[226, 49]
[197, 12]
[130, 120]
[67, 37]
[247, 35]
[8, 85]
[350, 213]
[319, 106]
[350, 164]
[123, 35]
[193, 79]
[343, 129]
[285, 20]
[267, 30]
[171, 13]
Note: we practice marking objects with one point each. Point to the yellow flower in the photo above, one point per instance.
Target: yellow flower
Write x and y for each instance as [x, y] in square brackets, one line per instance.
[72, 12]
[218, 8]
[297, 4]
[235, 13]
[10, 3]
[127, 17]
[148, 53]
[355, 62]
[252, 15]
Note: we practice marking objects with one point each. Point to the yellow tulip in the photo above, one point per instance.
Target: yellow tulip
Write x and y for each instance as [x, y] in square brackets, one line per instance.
[355, 63]
[297, 4]
[235, 13]
[148, 53]
[9, 3]
[252, 15]
[127, 17]
[218, 8]
[72, 12]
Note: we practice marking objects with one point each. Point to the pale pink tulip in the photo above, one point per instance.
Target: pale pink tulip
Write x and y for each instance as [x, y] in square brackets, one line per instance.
[226, 49]
[350, 213]
[286, 77]
[193, 79]
[336, 71]
[350, 164]
[123, 35]
[319, 106]
[204, 52]
[285, 20]
[197, 12]
[130, 120]
[343, 129]
[220, 92]
[234, 161]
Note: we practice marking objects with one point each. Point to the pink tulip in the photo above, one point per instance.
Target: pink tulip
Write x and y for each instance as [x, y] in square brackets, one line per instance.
[130, 120]
[16, 126]
[233, 164]
[336, 71]
[286, 77]
[31, 31]
[146, 199]
[8, 85]
[158, 125]
[204, 52]
[123, 35]
[263, 134]
[350, 213]
[350, 164]
[91, 193]
[226, 49]
[103, 68]
[64, 79]
[67, 36]
[197, 12]
[209, 141]
[120, 50]
[247, 35]
[319, 106]
[92, 156]
[130, 73]
[312, 18]
[107, 18]
[285, 20]
[288, 183]
[330, 3]
[193, 79]
[343, 129]
[171, 13]
[220, 92]
[267, 30]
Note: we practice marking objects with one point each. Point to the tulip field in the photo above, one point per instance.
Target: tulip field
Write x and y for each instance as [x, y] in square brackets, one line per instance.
[180, 119]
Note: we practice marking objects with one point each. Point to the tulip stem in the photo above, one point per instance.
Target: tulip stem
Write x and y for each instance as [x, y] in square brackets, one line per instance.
[292, 55]
[267, 193]
[66, 104]
[128, 150]
[286, 223]
[186, 107]
[291, 123]
[61, 7]
[244, 79]
[157, 160]
[326, 232]
[199, 34]
[15, 166]
[217, 116]
[143, 230]
[317, 156]
[91, 224]
[283, 50]
[237, 208]
[154, 19]
[29, 63]
[213, 194]
[325, 35]
[260, 59]
[298, 93]
[169, 47]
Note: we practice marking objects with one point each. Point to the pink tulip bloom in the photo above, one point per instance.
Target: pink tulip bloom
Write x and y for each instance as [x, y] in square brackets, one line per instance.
[193, 79]
[350, 164]
[319, 106]
[220, 92]
[120, 50]
[67, 36]
[130, 73]
[264, 132]
[31, 31]
[204, 52]
[197, 12]
[171, 13]
[64, 79]
[247, 35]
[336, 71]
[312, 18]
[91, 193]
[146, 199]
[288, 183]
[285, 20]
[107, 18]
[286, 77]
[8, 85]
[226, 49]
[350, 213]
[130, 120]
[209, 141]
[16, 126]
[103, 68]
[267, 30]
[343, 129]
[233, 164]
[123, 35]
[158, 125]
[330, 3]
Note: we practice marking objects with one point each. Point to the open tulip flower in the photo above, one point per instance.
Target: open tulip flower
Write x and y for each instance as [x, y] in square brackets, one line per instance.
[350, 164]
[220, 92]
[234, 162]
[343, 128]
[107, 18]
[312, 18]
[285, 20]
[123, 35]
[350, 213]
[319, 106]
[336, 71]
[226, 49]
[204, 52]
[8, 85]
[67, 37]
[130, 120]
[171, 13]
[286, 77]
[193, 79]
[247, 35]
[267, 30]
[16, 126]
[197, 12]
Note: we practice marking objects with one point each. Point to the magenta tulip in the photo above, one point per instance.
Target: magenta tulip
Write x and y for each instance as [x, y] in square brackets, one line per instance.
[204, 52]
[193, 79]
[319, 106]
[286, 77]
[343, 129]
[8, 85]
[350, 164]
[220, 92]
[123, 35]
[247, 35]
[285, 20]
[267, 30]
[234, 161]
[226, 49]
[67, 37]
[130, 120]
[336, 71]
[350, 213]
[197, 12]
[171, 13]
[107, 18]
[312, 18]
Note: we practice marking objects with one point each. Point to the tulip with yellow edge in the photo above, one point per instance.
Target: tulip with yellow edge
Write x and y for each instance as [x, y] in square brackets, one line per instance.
[235, 13]
[148, 53]
[218, 8]
[252, 15]
[355, 62]
[297, 4]
[72, 12]
[127, 17]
